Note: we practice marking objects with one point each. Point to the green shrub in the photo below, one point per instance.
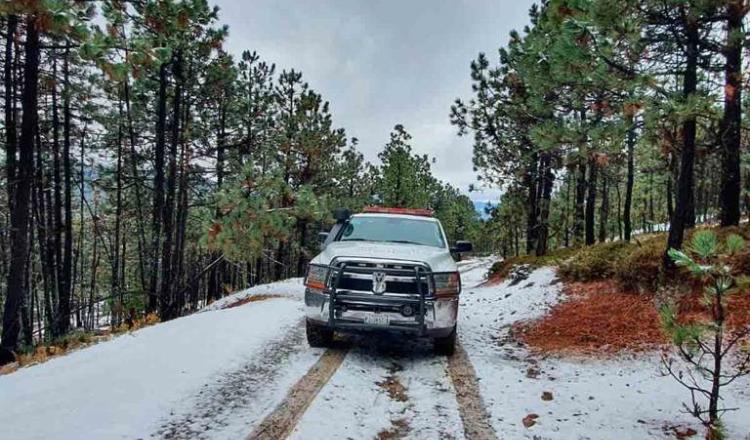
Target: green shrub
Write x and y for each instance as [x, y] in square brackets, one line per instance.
[640, 270]
[597, 262]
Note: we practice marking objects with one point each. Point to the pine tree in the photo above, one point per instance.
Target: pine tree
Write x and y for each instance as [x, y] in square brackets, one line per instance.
[707, 347]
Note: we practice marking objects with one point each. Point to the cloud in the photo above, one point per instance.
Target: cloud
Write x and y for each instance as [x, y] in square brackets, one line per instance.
[380, 63]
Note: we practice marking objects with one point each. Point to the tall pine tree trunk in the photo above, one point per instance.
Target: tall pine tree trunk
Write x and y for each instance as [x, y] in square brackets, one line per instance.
[532, 209]
[684, 214]
[591, 188]
[580, 203]
[115, 257]
[158, 203]
[66, 276]
[729, 199]
[168, 212]
[547, 182]
[19, 216]
[61, 321]
[670, 191]
[137, 187]
[10, 121]
[629, 181]
[604, 210]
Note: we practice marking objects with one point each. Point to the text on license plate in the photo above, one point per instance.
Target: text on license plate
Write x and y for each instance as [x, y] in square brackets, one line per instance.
[376, 319]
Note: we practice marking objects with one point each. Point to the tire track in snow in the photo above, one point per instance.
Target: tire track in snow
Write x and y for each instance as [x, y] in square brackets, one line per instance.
[474, 414]
[280, 423]
[220, 408]
[387, 388]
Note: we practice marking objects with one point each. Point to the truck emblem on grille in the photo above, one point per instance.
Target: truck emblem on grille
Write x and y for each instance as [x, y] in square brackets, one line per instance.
[378, 282]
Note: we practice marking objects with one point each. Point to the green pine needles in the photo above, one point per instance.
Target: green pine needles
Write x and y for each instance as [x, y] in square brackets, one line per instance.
[712, 355]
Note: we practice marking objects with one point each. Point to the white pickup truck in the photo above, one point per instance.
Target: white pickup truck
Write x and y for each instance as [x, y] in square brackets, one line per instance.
[385, 269]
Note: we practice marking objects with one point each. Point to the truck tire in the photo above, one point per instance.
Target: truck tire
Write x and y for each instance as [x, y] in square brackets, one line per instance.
[446, 346]
[318, 335]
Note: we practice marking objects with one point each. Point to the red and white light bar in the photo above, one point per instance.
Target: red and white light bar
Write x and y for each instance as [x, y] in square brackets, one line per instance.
[403, 211]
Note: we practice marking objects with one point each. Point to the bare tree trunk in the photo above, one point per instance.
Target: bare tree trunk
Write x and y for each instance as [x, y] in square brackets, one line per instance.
[61, 323]
[548, 181]
[165, 300]
[20, 213]
[66, 276]
[604, 210]
[10, 120]
[116, 291]
[579, 217]
[591, 201]
[630, 180]
[729, 199]
[684, 214]
[532, 208]
[138, 197]
[158, 204]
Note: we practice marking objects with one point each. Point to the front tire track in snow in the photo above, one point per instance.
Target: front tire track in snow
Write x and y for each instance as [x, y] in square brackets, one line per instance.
[281, 422]
[474, 414]
[234, 390]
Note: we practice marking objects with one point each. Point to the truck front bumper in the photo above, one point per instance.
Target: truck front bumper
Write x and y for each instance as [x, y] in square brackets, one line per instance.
[380, 313]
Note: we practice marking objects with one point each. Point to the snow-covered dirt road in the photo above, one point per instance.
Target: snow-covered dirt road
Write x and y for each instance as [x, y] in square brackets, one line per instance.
[247, 372]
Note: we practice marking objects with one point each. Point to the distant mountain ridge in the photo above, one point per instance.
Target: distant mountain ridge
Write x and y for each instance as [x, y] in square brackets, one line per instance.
[480, 205]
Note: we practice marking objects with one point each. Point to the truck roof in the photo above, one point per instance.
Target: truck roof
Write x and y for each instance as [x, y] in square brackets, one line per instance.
[409, 216]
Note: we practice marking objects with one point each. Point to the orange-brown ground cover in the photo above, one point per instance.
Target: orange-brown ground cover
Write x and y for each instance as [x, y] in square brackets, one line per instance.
[599, 318]
[596, 317]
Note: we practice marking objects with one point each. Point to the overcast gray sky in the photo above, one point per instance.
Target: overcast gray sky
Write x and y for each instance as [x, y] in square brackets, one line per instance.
[385, 62]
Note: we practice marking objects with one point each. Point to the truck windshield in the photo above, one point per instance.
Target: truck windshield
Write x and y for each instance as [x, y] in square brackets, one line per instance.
[393, 230]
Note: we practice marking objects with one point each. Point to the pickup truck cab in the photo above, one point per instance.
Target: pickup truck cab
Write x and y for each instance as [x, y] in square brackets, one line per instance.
[385, 269]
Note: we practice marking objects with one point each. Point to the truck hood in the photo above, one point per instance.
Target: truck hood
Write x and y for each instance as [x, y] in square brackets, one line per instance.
[439, 260]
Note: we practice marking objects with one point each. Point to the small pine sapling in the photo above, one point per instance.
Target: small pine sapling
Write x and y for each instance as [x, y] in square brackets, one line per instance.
[712, 354]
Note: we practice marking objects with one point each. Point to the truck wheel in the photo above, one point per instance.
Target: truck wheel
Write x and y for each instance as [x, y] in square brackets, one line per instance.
[318, 335]
[446, 346]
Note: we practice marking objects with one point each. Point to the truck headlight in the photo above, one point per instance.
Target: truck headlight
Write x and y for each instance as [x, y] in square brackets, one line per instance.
[317, 276]
[447, 284]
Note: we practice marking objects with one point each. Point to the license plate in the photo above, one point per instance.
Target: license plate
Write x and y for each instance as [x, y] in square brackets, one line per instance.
[376, 319]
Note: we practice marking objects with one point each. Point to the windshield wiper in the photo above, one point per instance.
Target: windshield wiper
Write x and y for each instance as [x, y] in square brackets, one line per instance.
[403, 241]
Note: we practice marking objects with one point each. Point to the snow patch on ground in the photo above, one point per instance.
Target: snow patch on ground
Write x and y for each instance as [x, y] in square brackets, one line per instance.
[623, 398]
[234, 402]
[350, 405]
[125, 387]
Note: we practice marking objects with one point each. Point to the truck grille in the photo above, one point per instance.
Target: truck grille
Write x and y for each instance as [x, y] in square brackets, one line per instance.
[400, 278]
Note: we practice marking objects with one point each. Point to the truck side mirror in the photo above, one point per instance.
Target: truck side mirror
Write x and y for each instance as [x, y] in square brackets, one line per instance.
[341, 215]
[462, 246]
[322, 236]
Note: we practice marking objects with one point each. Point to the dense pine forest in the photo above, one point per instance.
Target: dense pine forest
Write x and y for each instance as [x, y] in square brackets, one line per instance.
[147, 171]
[605, 118]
